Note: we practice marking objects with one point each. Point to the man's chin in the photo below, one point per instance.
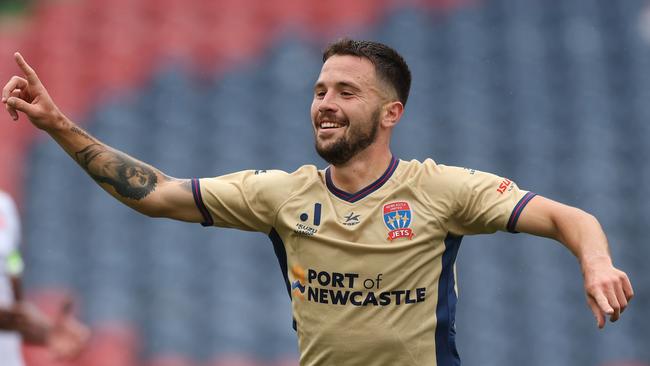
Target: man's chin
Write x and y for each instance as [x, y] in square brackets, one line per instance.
[333, 156]
[327, 145]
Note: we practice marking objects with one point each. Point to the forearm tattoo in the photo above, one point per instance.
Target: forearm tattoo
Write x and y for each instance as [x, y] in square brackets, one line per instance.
[82, 133]
[130, 178]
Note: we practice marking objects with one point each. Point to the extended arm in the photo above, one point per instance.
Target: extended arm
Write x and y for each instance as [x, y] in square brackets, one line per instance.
[608, 289]
[134, 183]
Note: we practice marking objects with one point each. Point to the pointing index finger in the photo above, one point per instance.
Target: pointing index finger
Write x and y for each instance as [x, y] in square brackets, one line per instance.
[30, 74]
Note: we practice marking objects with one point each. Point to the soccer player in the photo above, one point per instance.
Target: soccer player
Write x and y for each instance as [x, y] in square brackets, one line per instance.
[64, 336]
[367, 246]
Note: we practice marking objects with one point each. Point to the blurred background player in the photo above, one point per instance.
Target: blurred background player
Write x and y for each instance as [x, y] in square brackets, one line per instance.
[20, 321]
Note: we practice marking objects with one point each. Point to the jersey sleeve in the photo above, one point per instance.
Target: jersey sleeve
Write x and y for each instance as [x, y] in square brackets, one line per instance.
[482, 202]
[247, 200]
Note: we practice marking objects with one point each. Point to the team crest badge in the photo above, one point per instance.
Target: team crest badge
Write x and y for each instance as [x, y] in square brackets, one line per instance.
[398, 217]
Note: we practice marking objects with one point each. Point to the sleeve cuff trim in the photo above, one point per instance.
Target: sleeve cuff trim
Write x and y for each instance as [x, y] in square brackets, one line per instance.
[198, 200]
[516, 212]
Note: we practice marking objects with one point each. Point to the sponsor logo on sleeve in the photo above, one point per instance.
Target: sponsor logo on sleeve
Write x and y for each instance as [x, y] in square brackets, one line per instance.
[504, 185]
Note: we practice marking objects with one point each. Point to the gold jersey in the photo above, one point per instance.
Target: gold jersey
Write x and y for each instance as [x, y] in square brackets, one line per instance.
[371, 274]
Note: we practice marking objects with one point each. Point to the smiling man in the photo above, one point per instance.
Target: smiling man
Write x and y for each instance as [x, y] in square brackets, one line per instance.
[367, 246]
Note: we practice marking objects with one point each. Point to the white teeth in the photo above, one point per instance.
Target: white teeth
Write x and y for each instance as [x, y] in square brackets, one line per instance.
[330, 125]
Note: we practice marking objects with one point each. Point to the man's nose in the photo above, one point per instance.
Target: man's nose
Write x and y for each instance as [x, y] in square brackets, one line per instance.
[327, 104]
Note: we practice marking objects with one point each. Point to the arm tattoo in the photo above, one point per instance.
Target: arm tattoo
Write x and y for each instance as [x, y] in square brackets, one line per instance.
[82, 133]
[130, 178]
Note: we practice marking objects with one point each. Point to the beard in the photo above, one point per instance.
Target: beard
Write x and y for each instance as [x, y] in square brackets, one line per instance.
[344, 149]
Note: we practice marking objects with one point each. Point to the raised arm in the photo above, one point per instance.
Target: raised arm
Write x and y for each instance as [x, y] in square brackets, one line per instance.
[134, 183]
[608, 289]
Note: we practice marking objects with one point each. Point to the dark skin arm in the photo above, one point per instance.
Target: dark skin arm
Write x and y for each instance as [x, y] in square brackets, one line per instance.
[64, 336]
[24, 318]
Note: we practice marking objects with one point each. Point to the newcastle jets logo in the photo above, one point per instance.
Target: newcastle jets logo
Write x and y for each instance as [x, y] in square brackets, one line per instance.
[397, 217]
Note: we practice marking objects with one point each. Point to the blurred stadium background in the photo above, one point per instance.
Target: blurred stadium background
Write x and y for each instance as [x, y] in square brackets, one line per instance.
[554, 94]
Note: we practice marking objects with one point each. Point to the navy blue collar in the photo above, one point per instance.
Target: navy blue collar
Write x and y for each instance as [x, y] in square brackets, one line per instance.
[354, 197]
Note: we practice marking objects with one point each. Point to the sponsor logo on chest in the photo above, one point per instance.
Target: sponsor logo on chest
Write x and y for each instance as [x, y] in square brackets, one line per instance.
[309, 227]
[349, 288]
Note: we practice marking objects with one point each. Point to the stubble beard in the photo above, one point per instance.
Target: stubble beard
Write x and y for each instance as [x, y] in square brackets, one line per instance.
[344, 149]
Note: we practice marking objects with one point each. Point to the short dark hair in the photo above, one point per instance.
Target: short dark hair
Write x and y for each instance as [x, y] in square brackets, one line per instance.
[389, 65]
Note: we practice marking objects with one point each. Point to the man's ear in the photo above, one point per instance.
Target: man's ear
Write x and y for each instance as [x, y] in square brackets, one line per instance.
[392, 113]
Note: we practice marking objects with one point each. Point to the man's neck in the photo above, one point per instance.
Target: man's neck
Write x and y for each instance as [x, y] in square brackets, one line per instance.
[360, 171]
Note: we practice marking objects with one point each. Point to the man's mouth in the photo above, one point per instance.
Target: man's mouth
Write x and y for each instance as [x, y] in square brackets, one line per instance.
[325, 125]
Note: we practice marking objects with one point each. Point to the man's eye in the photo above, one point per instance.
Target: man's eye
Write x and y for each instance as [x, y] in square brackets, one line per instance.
[320, 94]
[346, 94]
